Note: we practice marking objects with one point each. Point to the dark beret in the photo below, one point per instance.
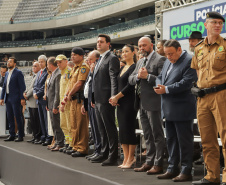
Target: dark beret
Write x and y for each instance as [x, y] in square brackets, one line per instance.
[214, 15]
[195, 35]
[78, 50]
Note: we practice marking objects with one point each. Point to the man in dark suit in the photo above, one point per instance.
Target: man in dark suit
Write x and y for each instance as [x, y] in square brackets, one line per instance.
[144, 75]
[38, 94]
[32, 105]
[91, 60]
[53, 102]
[179, 110]
[3, 71]
[12, 95]
[105, 86]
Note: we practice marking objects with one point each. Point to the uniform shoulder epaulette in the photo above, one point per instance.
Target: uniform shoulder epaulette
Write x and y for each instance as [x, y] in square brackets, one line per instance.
[199, 43]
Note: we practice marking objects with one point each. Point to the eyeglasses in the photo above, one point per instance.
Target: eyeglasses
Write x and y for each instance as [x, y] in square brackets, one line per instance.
[216, 22]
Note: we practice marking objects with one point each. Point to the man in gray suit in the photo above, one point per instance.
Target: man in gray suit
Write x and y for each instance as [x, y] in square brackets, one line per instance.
[179, 110]
[53, 102]
[104, 86]
[144, 75]
[33, 107]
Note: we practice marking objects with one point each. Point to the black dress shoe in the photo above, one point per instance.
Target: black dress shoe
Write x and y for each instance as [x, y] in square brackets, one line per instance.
[46, 143]
[93, 157]
[223, 183]
[88, 156]
[30, 141]
[98, 159]
[68, 148]
[64, 148]
[204, 182]
[69, 152]
[39, 142]
[109, 162]
[19, 139]
[10, 138]
[78, 154]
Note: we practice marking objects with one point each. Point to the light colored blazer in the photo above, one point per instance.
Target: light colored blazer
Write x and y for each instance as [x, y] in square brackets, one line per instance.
[31, 102]
[53, 90]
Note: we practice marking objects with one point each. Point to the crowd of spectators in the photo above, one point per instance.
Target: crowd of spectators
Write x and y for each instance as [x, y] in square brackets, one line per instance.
[65, 97]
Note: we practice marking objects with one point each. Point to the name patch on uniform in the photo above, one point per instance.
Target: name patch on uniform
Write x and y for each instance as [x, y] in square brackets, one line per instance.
[83, 70]
[221, 48]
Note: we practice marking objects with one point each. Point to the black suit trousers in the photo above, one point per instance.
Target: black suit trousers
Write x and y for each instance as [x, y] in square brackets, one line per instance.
[105, 115]
[35, 123]
[179, 135]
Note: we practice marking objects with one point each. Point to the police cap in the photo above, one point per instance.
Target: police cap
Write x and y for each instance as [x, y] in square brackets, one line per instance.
[214, 15]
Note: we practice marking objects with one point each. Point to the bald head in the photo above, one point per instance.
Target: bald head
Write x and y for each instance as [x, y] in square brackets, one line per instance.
[146, 39]
[95, 53]
[145, 46]
[36, 67]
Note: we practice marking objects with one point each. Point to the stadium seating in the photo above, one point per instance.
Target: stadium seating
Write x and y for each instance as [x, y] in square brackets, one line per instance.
[36, 10]
[7, 9]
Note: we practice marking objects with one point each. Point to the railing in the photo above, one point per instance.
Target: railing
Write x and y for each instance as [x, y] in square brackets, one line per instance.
[82, 36]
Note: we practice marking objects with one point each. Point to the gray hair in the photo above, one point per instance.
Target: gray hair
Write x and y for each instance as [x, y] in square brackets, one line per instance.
[97, 53]
[70, 62]
[42, 57]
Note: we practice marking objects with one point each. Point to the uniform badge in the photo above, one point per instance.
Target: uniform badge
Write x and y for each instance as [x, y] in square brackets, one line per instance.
[200, 53]
[221, 48]
[83, 70]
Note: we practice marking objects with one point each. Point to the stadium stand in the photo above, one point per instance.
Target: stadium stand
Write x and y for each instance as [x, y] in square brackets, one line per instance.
[7, 10]
[36, 10]
[82, 36]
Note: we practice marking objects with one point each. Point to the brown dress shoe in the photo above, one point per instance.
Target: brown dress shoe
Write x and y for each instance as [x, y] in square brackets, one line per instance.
[50, 147]
[167, 175]
[57, 148]
[182, 178]
[145, 167]
[155, 170]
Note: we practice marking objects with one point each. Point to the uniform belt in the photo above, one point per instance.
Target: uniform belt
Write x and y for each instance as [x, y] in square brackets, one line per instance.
[77, 96]
[214, 89]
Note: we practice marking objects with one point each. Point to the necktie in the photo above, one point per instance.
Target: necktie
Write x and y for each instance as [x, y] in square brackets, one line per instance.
[40, 74]
[97, 65]
[138, 84]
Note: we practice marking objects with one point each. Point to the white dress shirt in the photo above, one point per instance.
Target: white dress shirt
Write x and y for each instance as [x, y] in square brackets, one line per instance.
[8, 80]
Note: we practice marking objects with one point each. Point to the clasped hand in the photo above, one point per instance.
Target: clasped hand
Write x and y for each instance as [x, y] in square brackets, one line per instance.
[113, 101]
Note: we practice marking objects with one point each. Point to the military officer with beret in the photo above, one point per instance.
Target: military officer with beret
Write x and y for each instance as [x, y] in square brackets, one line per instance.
[210, 62]
[79, 122]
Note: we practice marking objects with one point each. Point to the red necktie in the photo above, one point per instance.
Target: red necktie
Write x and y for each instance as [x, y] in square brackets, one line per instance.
[40, 74]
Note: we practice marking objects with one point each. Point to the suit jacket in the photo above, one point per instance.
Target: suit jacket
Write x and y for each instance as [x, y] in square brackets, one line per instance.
[149, 100]
[16, 87]
[31, 102]
[39, 86]
[105, 79]
[2, 81]
[53, 90]
[179, 104]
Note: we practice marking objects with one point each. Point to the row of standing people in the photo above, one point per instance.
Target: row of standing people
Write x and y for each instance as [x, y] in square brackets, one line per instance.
[108, 86]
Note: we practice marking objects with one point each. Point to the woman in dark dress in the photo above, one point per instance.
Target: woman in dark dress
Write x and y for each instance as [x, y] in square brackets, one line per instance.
[126, 113]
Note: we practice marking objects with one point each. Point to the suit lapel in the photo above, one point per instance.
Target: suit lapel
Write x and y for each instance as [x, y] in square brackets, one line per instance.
[175, 66]
[102, 61]
[150, 60]
[13, 73]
